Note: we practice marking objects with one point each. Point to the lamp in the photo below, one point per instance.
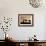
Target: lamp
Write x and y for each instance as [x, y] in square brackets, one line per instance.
[36, 3]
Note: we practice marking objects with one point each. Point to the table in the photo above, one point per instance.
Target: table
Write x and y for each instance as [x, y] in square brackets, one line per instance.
[27, 42]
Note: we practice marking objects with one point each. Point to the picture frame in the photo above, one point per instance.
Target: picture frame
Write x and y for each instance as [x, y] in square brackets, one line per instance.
[25, 20]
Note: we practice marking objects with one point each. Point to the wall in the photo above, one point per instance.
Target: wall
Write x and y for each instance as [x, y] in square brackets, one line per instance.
[11, 8]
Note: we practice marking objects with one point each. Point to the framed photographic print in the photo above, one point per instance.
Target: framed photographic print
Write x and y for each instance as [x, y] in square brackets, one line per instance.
[25, 19]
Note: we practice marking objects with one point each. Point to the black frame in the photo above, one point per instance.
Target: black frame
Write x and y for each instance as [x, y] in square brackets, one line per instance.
[27, 24]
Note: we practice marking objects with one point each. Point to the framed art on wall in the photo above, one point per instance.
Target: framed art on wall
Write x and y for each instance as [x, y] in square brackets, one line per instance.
[25, 19]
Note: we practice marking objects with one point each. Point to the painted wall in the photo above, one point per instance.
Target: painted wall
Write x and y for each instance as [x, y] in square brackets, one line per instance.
[11, 8]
